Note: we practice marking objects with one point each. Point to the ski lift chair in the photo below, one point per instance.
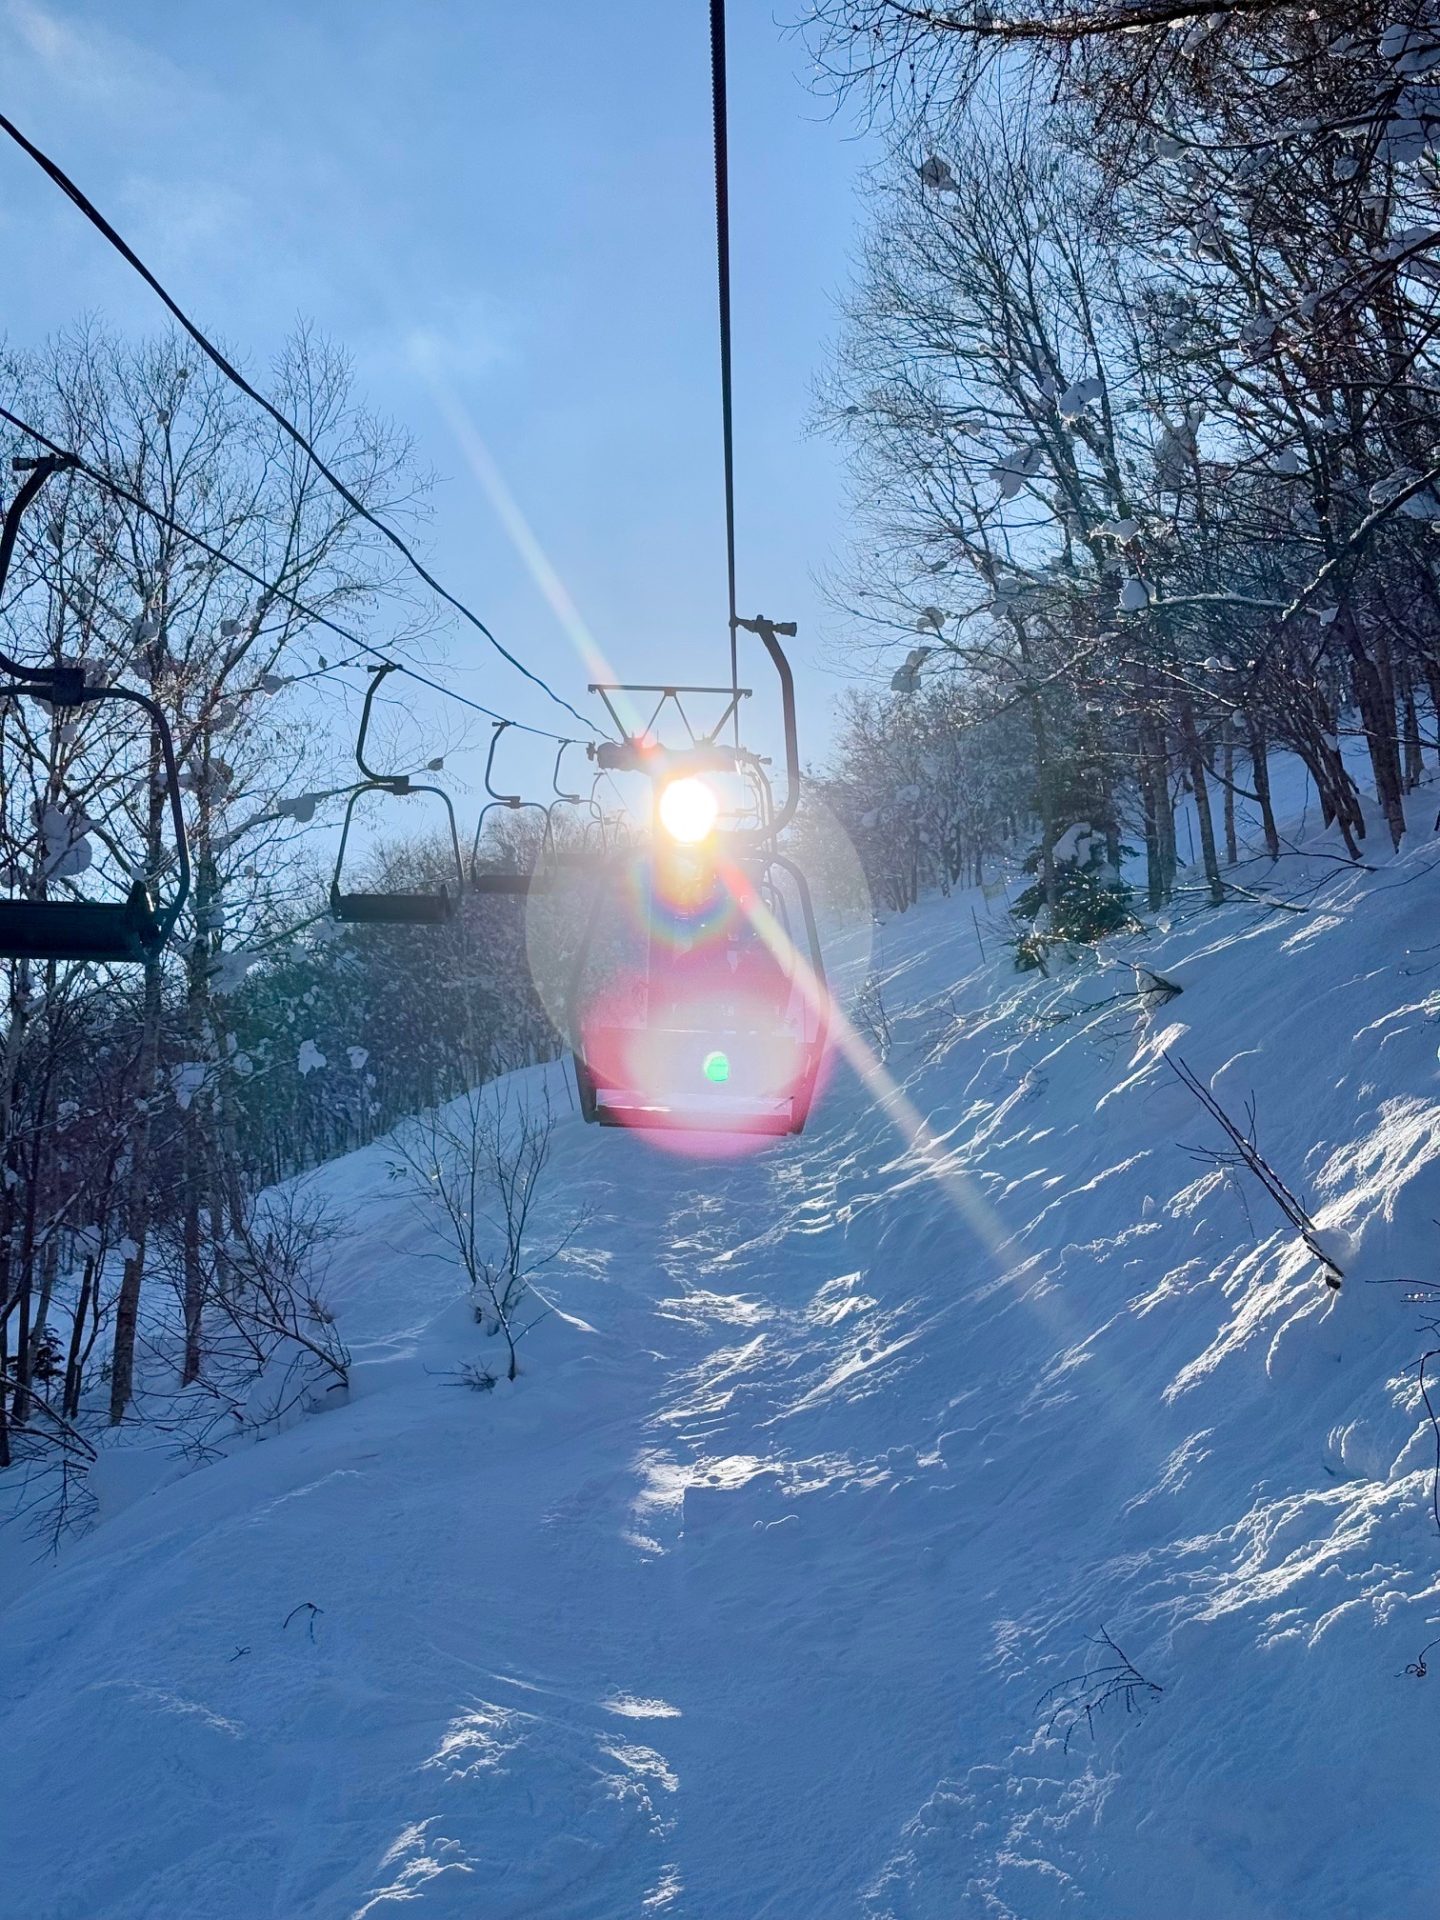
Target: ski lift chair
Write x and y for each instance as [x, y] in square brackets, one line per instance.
[383, 908]
[129, 931]
[733, 1045]
[493, 880]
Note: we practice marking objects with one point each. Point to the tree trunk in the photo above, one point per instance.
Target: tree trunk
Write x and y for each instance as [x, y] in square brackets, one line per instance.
[1195, 765]
[1260, 771]
[1414, 759]
[1377, 717]
[137, 1205]
[74, 1360]
[1232, 852]
[194, 1280]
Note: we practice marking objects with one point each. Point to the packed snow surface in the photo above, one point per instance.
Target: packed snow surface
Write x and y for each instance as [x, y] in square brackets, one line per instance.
[776, 1585]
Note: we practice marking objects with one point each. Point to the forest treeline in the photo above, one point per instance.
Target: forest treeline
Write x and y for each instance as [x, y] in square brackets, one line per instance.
[144, 1108]
[1138, 390]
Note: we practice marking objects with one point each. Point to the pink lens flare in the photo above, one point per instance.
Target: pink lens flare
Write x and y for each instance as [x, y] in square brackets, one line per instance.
[723, 1049]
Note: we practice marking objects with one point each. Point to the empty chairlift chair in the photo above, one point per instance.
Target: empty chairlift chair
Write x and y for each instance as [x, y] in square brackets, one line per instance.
[505, 879]
[375, 907]
[128, 931]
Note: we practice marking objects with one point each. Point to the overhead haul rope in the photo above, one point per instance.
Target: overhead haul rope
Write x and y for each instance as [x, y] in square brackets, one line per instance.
[720, 117]
[273, 592]
[97, 219]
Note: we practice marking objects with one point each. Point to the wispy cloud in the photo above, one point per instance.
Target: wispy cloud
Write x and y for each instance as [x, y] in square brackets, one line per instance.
[107, 75]
[98, 63]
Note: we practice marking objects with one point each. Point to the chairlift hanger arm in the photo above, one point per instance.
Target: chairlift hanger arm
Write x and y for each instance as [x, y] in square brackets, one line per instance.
[384, 784]
[65, 686]
[509, 802]
[570, 799]
[172, 788]
[395, 782]
[503, 799]
[38, 472]
[769, 632]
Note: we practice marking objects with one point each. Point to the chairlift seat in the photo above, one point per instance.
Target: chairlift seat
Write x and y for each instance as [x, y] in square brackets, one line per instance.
[124, 931]
[392, 909]
[509, 880]
[733, 1117]
[769, 1082]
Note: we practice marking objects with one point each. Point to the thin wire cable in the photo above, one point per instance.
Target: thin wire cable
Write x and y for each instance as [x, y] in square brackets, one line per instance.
[122, 492]
[720, 116]
[97, 219]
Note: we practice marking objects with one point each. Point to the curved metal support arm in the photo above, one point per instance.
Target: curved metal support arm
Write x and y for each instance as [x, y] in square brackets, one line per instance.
[504, 799]
[40, 471]
[396, 782]
[444, 798]
[571, 799]
[503, 805]
[817, 966]
[491, 806]
[769, 632]
[512, 802]
[344, 836]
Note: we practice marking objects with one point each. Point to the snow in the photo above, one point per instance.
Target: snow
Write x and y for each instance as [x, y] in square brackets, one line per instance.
[1136, 595]
[745, 1598]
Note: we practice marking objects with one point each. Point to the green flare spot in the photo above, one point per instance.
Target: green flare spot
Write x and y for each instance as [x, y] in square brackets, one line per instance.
[717, 1068]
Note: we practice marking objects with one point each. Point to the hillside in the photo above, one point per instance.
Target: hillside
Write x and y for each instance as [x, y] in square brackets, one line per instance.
[745, 1599]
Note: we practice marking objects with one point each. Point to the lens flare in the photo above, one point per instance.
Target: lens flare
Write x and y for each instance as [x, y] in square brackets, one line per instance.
[717, 1068]
[687, 810]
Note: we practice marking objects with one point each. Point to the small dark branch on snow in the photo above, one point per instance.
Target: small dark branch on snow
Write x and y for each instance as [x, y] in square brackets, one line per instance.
[475, 1375]
[1417, 1668]
[1086, 1695]
[305, 1606]
[1153, 989]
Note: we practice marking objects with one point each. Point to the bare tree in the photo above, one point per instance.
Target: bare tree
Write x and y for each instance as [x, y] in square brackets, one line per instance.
[479, 1165]
[101, 582]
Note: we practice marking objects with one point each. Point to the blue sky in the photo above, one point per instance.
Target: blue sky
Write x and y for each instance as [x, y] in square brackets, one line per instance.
[516, 197]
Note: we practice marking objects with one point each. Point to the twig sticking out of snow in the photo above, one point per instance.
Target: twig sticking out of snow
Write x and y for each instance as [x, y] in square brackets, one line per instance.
[1248, 1154]
[1085, 1695]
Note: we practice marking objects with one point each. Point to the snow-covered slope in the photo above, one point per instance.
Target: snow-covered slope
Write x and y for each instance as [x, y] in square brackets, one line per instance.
[743, 1600]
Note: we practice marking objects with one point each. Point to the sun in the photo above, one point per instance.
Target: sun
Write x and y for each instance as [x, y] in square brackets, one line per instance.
[687, 810]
